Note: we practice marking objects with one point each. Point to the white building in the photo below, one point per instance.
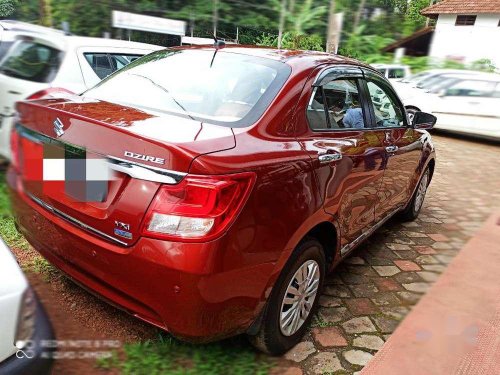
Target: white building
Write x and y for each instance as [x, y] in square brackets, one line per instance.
[466, 30]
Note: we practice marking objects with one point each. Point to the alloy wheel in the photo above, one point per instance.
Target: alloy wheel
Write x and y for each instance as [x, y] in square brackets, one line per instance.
[421, 190]
[299, 297]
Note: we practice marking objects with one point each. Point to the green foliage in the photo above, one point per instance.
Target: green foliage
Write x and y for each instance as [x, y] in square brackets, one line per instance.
[8, 230]
[361, 46]
[7, 7]
[417, 64]
[293, 40]
[484, 65]
[169, 356]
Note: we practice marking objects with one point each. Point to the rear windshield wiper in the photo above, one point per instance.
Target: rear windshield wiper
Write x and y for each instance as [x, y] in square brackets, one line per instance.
[167, 91]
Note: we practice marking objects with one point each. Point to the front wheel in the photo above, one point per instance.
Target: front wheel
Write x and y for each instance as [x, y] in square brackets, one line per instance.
[293, 300]
[411, 212]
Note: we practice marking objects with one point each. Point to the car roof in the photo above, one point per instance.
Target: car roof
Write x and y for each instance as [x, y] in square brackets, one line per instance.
[18, 26]
[67, 42]
[311, 58]
[481, 76]
[389, 65]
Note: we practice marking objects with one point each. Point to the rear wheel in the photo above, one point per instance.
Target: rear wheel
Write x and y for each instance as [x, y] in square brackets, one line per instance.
[293, 300]
[411, 212]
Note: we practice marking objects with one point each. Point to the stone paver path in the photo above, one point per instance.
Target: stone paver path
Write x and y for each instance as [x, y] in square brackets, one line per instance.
[374, 289]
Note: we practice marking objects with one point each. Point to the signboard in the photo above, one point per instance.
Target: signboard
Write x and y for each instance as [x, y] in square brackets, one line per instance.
[132, 21]
[200, 41]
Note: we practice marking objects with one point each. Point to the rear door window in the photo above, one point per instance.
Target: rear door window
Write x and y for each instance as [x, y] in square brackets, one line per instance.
[32, 61]
[471, 88]
[103, 64]
[121, 60]
[396, 73]
[4, 48]
[100, 64]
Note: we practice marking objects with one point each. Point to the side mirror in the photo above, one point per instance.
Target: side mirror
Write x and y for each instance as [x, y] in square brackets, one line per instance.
[423, 120]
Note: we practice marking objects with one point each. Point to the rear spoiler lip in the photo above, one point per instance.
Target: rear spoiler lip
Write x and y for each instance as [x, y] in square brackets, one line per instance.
[133, 169]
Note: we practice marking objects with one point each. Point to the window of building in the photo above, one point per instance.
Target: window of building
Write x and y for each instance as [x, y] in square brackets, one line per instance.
[465, 20]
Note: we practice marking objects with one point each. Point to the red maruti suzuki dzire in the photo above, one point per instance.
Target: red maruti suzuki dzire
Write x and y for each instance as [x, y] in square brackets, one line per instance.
[208, 191]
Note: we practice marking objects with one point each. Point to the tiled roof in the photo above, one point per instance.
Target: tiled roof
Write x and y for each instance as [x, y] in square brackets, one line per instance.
[462, 7]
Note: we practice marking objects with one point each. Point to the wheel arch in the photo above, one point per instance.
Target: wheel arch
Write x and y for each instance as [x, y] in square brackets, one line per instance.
[326, 232]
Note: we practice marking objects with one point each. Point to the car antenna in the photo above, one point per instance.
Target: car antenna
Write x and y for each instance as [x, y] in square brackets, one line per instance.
[218, 44]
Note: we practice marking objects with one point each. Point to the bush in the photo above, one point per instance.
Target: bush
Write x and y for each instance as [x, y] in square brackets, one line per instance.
[293, 40]
[484, 65]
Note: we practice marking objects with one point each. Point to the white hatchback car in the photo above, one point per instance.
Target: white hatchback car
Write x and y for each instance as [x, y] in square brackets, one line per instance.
[37, 63]
[24, 324]
[470, 106]
[393, 71]
[10, 30]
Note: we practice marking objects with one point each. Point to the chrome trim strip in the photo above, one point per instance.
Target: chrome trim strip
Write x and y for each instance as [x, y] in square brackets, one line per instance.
[74, 221]
[349, 247]
[131, 168]
[144, 172]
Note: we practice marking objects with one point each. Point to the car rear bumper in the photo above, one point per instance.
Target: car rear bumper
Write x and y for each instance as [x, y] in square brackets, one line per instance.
[36, 360]
[197, 291]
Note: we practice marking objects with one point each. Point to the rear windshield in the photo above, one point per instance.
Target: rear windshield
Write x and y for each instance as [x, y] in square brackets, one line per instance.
[32, 61]
[221, 88]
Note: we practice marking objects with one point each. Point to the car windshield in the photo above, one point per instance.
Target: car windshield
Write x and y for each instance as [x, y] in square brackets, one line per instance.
[31, 61]
[222, 88]
[431, 81]
[416, 77]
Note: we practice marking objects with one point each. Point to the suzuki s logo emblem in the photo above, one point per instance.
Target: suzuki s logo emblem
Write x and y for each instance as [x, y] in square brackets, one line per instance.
[58, 127]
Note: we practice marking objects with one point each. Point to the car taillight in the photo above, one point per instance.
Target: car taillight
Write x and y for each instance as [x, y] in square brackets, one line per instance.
[49, 92]
[198, 208]
[14, 148]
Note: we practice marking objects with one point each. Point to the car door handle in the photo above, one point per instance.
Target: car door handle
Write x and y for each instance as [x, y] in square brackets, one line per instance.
[392, 148]
[329, 157]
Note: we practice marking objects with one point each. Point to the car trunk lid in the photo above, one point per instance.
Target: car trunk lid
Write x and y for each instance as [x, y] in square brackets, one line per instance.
[68, 146]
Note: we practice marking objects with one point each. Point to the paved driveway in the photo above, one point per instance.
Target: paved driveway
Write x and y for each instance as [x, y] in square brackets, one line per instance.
[373, 290]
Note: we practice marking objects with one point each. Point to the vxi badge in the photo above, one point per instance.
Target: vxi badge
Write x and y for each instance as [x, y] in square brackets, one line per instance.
[152, 159]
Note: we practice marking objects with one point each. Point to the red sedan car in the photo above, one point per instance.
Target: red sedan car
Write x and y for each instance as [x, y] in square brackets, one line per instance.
[209, 191]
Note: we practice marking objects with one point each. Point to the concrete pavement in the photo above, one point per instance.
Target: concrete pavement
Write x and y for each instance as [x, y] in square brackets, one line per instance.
[372, 291]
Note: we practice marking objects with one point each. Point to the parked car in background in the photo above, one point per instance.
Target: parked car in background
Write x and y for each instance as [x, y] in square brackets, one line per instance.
[393, 71]
[23, 324]
[209, 191]
[10, 29]
[423, 96]
[37, 63]
[417, 79]
[470, 106]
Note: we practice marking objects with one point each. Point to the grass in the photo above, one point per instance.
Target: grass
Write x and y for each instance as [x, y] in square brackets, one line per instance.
[162, 356]
[8, 230]
[317, 321]
[170, 356]
[32, 261]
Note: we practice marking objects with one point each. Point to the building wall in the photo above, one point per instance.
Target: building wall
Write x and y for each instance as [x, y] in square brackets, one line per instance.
[467, 43]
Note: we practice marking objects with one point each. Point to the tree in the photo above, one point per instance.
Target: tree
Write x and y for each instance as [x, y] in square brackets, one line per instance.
[7, 7]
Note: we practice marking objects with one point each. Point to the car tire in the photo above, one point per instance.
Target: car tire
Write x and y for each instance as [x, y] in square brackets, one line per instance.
[417, 201]
[276, 334]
